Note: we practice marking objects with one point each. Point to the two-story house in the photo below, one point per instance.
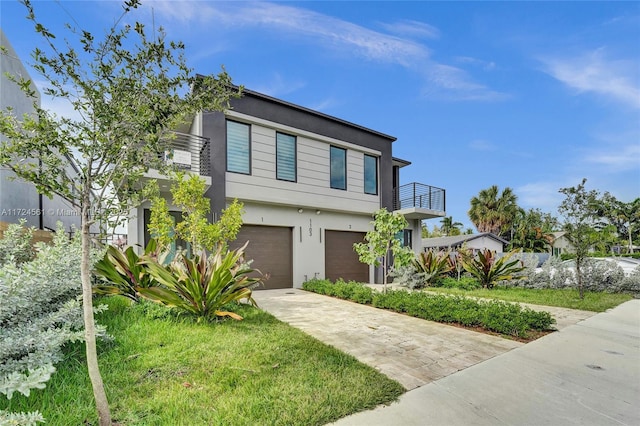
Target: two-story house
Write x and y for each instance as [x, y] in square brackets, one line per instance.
[309, 183]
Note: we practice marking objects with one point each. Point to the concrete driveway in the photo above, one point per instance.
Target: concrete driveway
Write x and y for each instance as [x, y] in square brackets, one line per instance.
[410, 350]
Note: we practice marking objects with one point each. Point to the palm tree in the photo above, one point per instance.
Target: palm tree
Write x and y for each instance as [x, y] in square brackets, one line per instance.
[492, 211]
[449, 227]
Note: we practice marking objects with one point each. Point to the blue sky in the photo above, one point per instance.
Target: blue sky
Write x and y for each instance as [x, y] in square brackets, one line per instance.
[530, 95]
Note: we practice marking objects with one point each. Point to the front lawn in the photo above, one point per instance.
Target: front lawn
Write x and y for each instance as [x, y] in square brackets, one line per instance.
[161, 370]
[564, 298]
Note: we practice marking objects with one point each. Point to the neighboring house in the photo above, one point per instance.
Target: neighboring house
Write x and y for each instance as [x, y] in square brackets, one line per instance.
[560, 244]
[19, 199]
[309, 183]
[484, 240]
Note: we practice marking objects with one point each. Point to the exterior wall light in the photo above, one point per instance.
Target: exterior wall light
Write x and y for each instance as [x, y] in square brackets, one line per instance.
[300, 210]
[317, 211]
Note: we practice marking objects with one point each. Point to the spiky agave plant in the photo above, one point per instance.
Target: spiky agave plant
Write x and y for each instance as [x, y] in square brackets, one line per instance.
[432, 265]
[201, 285]
[487, 268]
[124, 272]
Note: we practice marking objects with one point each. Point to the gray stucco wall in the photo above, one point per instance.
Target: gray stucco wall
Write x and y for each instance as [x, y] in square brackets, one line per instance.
[18, 199]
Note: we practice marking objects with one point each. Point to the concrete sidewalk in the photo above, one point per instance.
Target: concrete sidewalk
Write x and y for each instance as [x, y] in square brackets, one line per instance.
[585, 374]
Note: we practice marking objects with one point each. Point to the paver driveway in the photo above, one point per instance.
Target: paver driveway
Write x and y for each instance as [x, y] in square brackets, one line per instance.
[410, 350]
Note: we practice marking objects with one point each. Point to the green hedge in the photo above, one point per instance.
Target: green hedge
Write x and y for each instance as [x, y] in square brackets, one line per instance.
[493, 315]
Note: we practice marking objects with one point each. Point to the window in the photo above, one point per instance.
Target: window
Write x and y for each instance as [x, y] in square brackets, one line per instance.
[370, 175]
[238, 147]
[338, 158]
[285, 157]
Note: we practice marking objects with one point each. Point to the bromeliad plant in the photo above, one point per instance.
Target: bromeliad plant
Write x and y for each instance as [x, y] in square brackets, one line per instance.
[203, 284]
[488, 269]
[433, 265]
[124, 271]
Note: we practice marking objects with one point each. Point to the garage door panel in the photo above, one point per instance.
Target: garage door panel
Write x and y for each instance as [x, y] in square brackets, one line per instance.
[341, 261]
[270, 247]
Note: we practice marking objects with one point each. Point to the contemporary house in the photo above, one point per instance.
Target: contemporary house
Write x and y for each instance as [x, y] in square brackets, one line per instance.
[19, 199]
[481, 241]
[309, 182]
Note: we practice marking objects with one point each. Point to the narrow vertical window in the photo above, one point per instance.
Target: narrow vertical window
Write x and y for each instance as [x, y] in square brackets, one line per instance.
[370, 175]
[238, 147]
[285, 157]
[338, 158]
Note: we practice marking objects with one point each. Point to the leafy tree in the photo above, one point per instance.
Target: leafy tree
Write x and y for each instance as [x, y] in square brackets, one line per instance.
[382, 240]
[579, 210]
[449, 227]
[188, 195]
[531, 230]
[494, 211]
[624, 216]
[130, 90]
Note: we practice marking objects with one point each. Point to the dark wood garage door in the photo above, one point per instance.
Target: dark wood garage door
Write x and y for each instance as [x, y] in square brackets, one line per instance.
[341, 261]
[270, 247]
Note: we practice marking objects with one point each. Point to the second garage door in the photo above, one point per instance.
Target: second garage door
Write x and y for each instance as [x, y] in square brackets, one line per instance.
[341, 261]
[270, 247]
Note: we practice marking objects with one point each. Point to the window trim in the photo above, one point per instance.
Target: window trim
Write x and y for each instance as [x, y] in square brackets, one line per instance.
[250, 143]
[375, 171]
[295, 157]
[331, 150]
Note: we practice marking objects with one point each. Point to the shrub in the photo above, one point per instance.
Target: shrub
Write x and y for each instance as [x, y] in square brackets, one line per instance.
[501, 317]
[317, 285]
[432, 265]
[203, 284]
[489, 269]
[464, 283]
[40, 312]
[631, 284]
[498, 316]
[124, 271]
[15, 246]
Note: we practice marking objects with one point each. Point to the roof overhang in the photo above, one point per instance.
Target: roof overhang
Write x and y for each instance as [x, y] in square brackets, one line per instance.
[420, 213]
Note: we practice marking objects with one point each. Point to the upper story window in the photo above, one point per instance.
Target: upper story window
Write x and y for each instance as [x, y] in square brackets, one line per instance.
[338, 158]
[370, 175]
[238, 147]
[285, 157]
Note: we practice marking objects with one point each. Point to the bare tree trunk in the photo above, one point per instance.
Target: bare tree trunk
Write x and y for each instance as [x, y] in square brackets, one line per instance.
[579, 277]
[99, 394]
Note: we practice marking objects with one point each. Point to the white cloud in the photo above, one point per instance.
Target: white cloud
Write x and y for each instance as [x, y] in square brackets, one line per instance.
[542, 195]
[276, 85]
[485, 65]
[616, 159]
[453, 83]
[442, 81]
[481, 145]
[410, 28]
[594, 72]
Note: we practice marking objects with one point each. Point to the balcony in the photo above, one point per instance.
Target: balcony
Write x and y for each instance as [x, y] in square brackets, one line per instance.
[419, 201]
[188, 153]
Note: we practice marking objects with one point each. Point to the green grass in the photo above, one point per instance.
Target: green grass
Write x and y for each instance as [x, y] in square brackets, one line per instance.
[565, 298]
[171, 371]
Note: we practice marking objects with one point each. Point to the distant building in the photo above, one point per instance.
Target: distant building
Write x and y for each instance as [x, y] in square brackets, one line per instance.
[485, 240]
[19, 199]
